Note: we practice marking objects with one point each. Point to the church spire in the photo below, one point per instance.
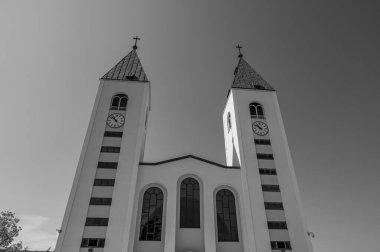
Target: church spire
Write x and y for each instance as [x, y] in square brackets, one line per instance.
[246, 77]
[129, 68]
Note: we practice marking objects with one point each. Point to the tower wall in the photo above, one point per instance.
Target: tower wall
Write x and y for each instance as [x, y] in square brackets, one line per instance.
[243, 137]
[120, 234]
[192, 204]
[74, 227]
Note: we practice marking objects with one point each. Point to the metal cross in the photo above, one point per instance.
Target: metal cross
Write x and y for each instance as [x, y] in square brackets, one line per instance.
[136, 39]
[239, 47]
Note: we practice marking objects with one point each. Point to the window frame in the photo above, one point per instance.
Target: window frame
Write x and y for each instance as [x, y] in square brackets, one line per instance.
[267, 171]
[118, 134]
[107, 165]
[110, 149]
[255, 105]
[229, 125]
[104, 182]
[100, 201]
[285, 245]
[190, 224]
[140, 216]
[96, 222]
[266, 156]
[120, 96]
[85, 243]
[237, 215]
[270, 188]
[262, 141]
[271, 205]
[277, 225]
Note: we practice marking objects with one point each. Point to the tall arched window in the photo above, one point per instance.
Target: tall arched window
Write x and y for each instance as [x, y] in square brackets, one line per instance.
[189, 204]
[151, 215]
[119, 102]
[229, 121]
[226, 216]
[256, 110]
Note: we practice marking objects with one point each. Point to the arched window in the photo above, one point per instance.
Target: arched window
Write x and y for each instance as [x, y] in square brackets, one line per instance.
[151, 215]
[226, 216]
[229, 121]
[119, 102]
[256, 110]
[189, 204]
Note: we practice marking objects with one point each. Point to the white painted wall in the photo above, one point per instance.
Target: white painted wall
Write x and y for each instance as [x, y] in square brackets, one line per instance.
[132, 179]
[120, 234]
[238, 103]
[118, 231]
[152, 246]
[212, 177]
[252, 197]
[190, 238]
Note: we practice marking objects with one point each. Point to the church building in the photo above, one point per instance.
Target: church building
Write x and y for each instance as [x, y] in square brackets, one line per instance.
[121, 203]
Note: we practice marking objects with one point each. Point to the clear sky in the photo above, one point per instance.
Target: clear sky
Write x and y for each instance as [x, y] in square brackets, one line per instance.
[323, 58]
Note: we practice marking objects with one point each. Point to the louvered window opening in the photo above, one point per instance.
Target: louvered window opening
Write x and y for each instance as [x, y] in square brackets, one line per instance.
[266, 171]
[256, 110]
[107, 165]
[101, 201]
[277, 225]
[110, 149]
[265, 156]
[92, 242]
[274, 206]
[113, 134]
[281, 245]
[119, 102]
[96, 222]
[270, 188]
[262, 142]
[104, 182]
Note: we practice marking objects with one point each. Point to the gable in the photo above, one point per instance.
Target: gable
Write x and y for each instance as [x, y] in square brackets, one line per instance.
[192, 157]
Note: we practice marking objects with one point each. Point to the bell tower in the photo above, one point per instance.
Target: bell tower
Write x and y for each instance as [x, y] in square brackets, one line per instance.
[255, 140]
[119, 203]
[98, 215]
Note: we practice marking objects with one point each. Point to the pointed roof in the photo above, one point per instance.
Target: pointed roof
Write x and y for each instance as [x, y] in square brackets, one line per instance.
[129, 68]
[247, 77]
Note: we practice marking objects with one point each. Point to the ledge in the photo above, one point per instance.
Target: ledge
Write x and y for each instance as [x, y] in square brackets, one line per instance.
[189, 156]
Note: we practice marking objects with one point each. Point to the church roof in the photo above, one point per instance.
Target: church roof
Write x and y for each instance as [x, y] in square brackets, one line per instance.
[247, 77]
[129, 68]
[189, 156]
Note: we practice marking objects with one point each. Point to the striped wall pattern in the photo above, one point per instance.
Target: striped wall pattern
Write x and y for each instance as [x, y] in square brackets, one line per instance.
[277, 227]
[94, 234]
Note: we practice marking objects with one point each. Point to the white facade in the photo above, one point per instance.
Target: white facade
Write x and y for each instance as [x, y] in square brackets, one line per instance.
[119, 203]
[241, 137]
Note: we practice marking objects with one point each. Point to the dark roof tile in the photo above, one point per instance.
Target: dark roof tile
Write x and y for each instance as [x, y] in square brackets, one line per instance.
[247, 77]
[129, 68]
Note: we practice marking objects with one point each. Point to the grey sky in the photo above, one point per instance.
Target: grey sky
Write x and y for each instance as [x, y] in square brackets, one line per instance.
[321, 56]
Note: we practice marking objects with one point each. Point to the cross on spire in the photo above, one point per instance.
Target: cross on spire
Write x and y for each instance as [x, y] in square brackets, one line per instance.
[239, 47]
[136, 39]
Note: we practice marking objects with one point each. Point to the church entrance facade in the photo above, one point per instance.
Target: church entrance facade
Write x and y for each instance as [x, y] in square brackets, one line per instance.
[202, 210]
[120, 202]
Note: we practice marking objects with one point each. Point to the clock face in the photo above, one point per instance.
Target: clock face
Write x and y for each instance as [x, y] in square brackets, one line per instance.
[260, 128]
[115, 120]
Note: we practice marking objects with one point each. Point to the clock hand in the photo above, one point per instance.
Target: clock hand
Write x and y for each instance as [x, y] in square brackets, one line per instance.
[259, 127]
[113, 117]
